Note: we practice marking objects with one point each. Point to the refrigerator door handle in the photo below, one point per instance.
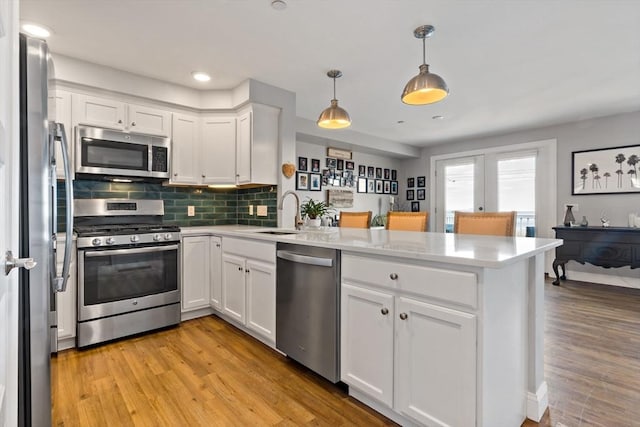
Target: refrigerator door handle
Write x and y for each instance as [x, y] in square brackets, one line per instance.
[60, 282]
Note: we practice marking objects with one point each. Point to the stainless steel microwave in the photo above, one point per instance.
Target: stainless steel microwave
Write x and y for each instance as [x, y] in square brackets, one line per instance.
[111, 153]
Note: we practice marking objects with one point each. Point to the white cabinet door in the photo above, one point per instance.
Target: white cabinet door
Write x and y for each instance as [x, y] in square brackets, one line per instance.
[264, 167]
[93, 111]
[367, 342]
[218, 153]
[195, 272]
[66, 301]
[216, 273]
[150, 121]
[243, 148]
[60, 111]
[436, 364]
[261, 298]
[185, 150]
[233, 286]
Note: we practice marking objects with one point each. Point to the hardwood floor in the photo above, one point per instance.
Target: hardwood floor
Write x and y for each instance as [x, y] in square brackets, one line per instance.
[206, 372]
[203, 373]
[592, 355]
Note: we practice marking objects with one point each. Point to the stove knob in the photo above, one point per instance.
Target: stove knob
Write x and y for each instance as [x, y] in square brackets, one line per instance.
[157, 237]
[167, 236]
[96, 242]
[135, 238]
[111, 241]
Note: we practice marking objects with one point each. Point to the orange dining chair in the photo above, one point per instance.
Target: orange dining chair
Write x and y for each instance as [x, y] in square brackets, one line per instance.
[407, 221]
[489, 223]
[355, 219]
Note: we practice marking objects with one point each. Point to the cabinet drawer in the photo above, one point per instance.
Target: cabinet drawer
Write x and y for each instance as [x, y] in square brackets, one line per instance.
[459, 287]
[264, 251]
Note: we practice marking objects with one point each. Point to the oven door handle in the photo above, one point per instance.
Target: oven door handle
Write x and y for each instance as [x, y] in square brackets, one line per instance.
[109, 252]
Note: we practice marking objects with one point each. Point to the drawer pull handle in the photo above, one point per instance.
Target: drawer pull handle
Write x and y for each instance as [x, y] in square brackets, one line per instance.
[393, 276]
[384, 311]
[404, 316]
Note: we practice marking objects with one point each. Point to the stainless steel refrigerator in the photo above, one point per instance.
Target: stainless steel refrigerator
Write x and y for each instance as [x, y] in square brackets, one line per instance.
[38, 281]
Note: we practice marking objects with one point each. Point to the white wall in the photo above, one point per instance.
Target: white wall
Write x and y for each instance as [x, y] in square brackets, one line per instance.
[378, 204]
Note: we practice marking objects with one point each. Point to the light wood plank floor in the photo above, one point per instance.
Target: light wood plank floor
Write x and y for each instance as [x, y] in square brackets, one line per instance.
[206, 372]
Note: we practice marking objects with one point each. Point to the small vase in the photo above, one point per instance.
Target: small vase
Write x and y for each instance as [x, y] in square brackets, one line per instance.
[569, 219]
[584, 222]
[314, 223]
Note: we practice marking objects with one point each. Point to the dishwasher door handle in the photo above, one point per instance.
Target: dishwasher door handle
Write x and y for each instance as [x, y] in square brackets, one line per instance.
[305, 259]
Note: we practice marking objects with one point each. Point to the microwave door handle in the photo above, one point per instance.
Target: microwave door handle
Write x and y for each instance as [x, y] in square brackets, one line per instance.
[61, 135]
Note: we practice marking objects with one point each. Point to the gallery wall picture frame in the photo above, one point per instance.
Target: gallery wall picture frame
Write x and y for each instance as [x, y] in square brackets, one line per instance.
[315, 165]
[302, 180]
[340, 164]
[394, 187]
[339, 153]
[386, 188]
[378, 173]
[331, 162]
[371, 172]
[315, 182]
[302, 164]
[411, 182]
[362, 170]
[362, 184]
[415, 206]
[327, 176]
[349, 165]
[420, 194]
[394, 175]
[387, 173]
[422, 181]
[371, 185]
[410, 194]
[379, 186]
[606, 171]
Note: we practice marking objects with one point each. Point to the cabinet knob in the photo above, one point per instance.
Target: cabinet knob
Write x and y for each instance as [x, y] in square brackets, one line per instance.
[133, 123]
[120, 121]
[217, 245]
[203, 175]
[393, 276]
[384, 311]
[247, 270]
[239, 268]
[175, 174]
[404, 316]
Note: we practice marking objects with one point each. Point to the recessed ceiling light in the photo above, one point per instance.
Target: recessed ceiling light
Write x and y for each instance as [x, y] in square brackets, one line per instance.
[36, 30]
[279, 4]
[201, 76]
[437, 117]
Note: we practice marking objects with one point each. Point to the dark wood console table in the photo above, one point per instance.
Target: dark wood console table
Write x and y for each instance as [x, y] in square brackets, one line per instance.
[602, 246]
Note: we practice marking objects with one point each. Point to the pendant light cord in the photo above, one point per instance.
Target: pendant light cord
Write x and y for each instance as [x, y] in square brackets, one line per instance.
[424, 50]
[334, 88]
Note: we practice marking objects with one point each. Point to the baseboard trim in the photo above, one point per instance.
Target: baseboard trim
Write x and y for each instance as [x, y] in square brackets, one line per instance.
[605, 279]
[537, 402]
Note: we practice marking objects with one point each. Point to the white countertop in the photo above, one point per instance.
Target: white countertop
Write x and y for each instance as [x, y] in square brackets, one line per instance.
[461, 249]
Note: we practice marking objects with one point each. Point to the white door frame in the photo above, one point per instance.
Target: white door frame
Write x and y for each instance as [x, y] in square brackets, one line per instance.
[9, 189]
[546, 183]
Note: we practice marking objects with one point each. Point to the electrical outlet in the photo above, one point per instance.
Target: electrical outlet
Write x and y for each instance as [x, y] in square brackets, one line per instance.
[250, 209]
[191, 210]
[575, 207]
[262, 210]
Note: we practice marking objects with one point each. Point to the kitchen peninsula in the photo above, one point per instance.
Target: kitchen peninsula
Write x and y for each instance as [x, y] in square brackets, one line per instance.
[436, 329]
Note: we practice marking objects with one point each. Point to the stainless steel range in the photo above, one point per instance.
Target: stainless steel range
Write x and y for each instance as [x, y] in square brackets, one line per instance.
[128, 268]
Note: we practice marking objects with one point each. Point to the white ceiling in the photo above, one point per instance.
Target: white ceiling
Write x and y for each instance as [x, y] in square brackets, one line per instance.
[509, 64]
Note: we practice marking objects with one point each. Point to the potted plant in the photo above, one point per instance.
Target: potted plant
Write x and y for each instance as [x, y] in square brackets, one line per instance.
[314, 211]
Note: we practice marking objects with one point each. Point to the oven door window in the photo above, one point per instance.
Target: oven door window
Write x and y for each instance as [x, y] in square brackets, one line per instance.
[111, 276]
[114, 155]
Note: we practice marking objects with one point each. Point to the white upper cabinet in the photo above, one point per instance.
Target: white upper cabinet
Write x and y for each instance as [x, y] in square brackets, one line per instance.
[257, 145]
[218, 152]
[111, 114]
[185, 150]
[60, 111]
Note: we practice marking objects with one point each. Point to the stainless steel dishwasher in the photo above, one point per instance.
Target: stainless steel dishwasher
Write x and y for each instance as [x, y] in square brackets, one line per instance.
[308, 307]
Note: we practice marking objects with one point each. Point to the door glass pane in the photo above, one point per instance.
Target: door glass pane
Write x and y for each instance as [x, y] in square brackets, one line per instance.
[458, 191]
[517, 191]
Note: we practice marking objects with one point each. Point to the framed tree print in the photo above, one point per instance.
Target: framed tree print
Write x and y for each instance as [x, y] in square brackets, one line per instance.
[606, 171]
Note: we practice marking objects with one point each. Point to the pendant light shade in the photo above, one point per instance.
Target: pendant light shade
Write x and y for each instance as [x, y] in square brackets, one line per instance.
[426, 87]
[334, 117]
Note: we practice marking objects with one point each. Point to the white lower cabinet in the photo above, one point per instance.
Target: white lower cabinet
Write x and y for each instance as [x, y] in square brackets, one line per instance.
[66, 301]
[215, 293]
[196, 272]
[249, 285]
[413, 356]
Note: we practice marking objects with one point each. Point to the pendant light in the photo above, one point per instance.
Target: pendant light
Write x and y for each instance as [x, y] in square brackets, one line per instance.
[334, 117]
[426, 87]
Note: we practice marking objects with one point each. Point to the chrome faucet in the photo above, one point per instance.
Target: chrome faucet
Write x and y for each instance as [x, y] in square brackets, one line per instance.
[298, 220]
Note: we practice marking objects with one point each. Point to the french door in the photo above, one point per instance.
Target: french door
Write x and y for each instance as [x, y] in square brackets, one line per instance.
[517, 178]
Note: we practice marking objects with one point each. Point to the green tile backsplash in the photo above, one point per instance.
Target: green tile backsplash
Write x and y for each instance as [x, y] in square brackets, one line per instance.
[213, 206]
